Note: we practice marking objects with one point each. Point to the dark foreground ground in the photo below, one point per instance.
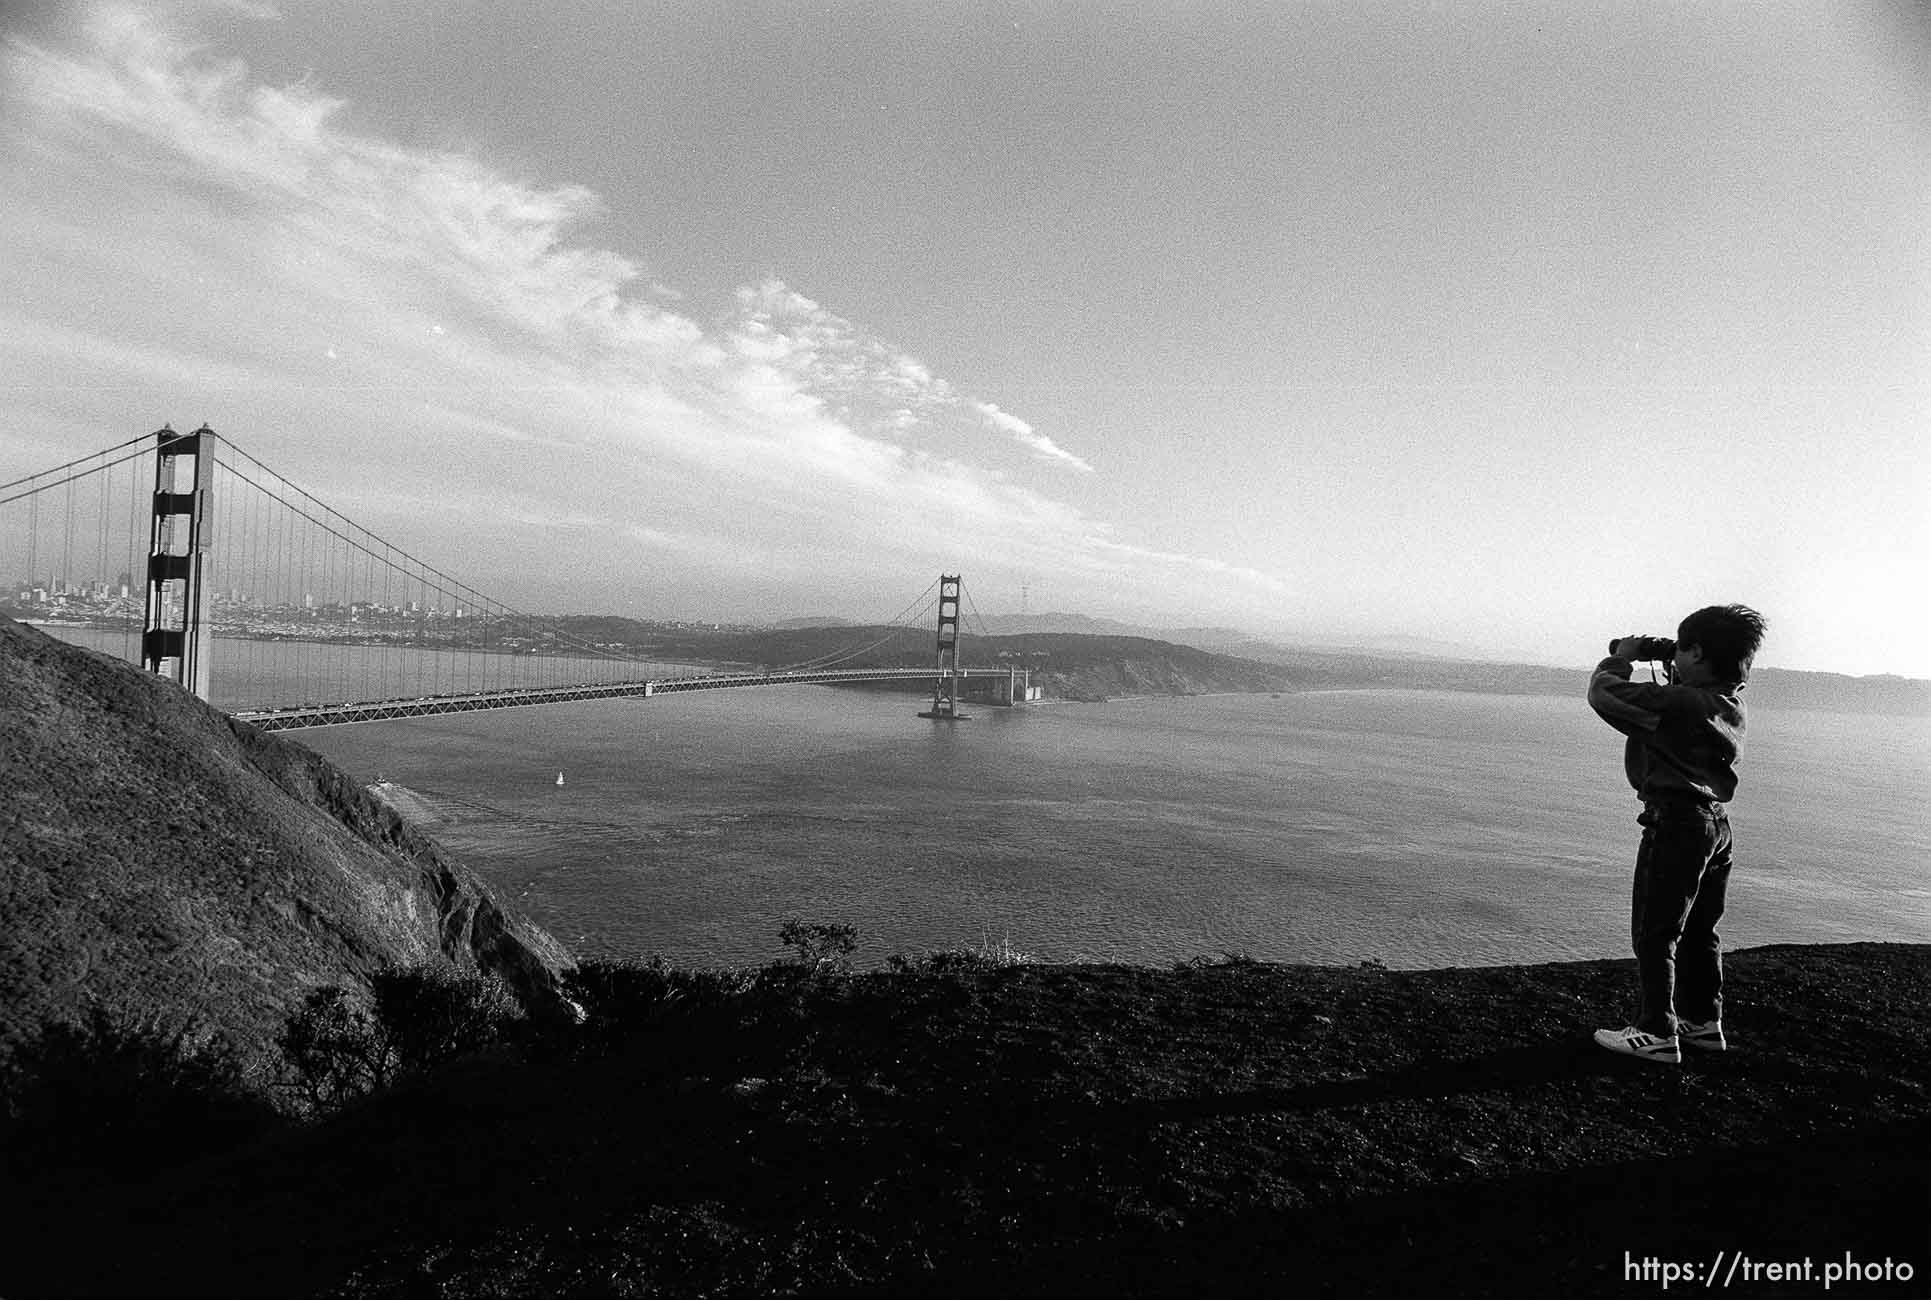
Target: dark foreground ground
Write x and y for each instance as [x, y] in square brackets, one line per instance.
[1215, 1129]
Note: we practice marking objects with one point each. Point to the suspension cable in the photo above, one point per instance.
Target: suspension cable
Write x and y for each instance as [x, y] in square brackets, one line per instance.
[454, 587]
[299, 543]
[31, 478]
[973, 605]
[898, 624]
[835, 657]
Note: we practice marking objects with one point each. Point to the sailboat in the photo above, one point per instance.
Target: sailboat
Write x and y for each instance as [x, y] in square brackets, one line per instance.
[559, 778]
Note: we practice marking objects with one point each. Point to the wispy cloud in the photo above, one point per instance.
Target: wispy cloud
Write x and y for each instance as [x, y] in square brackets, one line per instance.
[455, 304]
[861, 381]
[1026, 435]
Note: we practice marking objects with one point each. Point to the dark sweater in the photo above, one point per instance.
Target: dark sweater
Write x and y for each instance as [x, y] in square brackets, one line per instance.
[1683, 740]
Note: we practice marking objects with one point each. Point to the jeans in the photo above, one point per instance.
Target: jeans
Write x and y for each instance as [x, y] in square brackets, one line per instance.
[1682, 870]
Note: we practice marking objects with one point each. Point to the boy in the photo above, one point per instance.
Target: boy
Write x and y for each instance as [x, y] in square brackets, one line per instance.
[1680, 757]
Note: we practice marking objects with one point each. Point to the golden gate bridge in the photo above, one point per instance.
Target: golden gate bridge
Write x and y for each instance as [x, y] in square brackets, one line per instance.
[258, 597]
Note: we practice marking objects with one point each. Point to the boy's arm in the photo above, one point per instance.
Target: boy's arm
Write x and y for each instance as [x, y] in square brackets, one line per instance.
[1633, 708]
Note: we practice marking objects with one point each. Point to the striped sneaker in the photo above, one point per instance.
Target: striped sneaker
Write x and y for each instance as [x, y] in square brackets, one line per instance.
[1634, 1042]
[1705, 1036]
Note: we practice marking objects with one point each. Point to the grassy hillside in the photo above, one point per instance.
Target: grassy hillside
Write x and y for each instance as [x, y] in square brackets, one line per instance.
[159, 859]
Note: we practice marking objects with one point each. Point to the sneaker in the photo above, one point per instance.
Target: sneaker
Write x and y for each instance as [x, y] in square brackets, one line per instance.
[1705, 1036]
[1634, 1042]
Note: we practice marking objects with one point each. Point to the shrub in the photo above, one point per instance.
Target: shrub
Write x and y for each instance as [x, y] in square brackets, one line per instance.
[1229, 957]
[331, 1051]
[633, 994]
[417, 1017]
[946, 961]
[619, 990]
[988, 956]
[1002, 953]
[125, 1093]
[430, 1014]
[679, 1023]
[621, 1000]
[819, 946]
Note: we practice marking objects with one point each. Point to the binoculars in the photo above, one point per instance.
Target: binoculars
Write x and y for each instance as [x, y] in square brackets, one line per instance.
[1649, 649]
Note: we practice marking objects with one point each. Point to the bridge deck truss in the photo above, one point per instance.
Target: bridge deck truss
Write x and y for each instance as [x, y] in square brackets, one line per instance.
[329, 715]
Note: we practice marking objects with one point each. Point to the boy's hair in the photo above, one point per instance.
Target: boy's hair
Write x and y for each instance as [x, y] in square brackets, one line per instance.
[1728, 635]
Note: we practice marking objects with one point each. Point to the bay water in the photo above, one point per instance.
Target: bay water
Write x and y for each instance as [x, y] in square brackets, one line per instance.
[1415, 828]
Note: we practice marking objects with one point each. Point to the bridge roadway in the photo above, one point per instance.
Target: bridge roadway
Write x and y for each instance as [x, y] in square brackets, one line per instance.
[329, 715]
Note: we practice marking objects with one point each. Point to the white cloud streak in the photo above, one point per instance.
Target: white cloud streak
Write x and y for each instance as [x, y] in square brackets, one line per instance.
[1024, 434]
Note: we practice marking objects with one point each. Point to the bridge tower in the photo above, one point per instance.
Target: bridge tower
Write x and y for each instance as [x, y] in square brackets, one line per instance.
[945, 692]
[172, 641]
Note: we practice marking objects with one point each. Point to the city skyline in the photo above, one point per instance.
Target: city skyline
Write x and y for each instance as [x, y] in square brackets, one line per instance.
[1515, 327]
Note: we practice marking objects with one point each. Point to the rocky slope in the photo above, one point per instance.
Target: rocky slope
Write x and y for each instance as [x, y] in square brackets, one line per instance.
[172, 865]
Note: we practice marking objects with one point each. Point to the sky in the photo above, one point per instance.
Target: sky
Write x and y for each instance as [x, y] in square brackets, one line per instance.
[1515, 326]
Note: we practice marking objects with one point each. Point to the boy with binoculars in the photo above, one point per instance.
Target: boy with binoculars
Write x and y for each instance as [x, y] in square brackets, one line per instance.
[1683, 738]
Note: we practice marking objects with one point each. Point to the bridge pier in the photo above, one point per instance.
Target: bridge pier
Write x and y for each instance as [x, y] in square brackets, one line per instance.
[945, 691]
[1007, 688]
[178, 541]
[1015, 688]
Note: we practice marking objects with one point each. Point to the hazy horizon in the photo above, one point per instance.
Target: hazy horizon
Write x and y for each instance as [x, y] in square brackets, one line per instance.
[1396, 645]
[1508, 326]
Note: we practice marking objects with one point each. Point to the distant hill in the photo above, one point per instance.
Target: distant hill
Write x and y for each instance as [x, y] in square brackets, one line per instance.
[1415, 669]
[1234, 642]
[1422, 664]
[1083, 662]
[1835, 692]
[1068, 665]
[1076, 667]
[1781, 688]
[164, 861]
[813, 620]
[1081, 624]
